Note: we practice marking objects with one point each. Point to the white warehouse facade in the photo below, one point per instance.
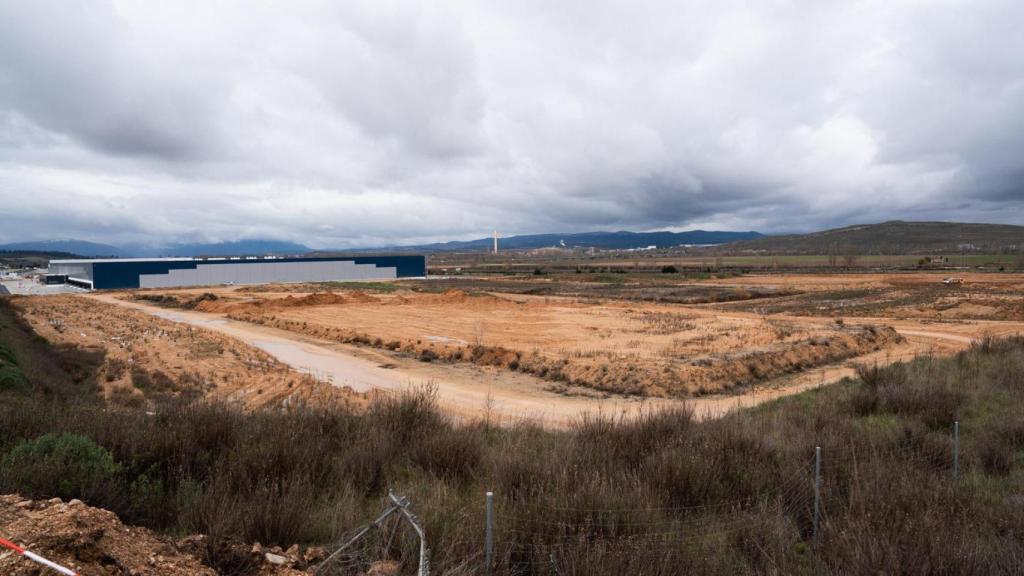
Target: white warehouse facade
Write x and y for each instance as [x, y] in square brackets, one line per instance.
[107, 274]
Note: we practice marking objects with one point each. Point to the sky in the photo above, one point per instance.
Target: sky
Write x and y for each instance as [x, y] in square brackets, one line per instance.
[347, 124]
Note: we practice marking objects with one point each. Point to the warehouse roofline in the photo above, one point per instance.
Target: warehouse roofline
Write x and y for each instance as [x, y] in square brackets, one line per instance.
[131, 273]
[101, 260]
[232, 258]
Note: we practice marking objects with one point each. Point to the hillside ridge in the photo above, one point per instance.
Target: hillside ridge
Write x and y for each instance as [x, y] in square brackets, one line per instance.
[892, 237]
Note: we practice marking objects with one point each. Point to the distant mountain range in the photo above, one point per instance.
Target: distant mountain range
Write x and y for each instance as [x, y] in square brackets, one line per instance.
[76, 247]
[94, 250]
[601, 240]
[622, 240]
[241, 247]
[884, 238]
[894, 237]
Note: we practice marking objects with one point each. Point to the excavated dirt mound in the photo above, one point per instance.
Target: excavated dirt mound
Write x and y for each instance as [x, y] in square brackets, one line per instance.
[360, 297]
[94, 542]
[464, 299]
[146, 359]
[315, 299]
[288, 302]
[89, 540]
[666, 377]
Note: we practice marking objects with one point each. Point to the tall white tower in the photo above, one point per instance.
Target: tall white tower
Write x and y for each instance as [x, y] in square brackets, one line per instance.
[495, 241]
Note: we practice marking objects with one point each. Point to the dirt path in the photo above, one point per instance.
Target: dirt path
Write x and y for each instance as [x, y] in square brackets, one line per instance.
[472, 391]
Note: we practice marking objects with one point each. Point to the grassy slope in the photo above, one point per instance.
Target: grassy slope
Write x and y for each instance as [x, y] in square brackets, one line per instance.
[27, 258]
[665, 495]
[895, 237]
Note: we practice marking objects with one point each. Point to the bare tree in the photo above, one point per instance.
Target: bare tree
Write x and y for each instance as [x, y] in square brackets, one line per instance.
[850, 255]
[479, 329]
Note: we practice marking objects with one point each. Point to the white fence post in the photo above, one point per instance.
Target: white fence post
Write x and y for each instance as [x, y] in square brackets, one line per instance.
[489, 536]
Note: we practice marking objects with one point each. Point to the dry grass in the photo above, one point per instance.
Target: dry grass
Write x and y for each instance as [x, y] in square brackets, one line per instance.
[663, 494]
[144, 358]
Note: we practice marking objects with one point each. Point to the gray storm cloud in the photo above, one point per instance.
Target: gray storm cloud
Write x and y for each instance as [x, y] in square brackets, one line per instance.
[345, 124]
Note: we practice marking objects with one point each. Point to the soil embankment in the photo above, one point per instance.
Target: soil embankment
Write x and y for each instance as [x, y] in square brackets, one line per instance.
[142, 358]
[471, 390]
[91, 541]
[641, 349]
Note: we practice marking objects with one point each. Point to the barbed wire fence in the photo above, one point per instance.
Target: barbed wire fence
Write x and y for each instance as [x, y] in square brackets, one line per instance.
[520, 538]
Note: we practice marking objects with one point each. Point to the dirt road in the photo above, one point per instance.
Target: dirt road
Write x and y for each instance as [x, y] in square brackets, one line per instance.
[473, 391]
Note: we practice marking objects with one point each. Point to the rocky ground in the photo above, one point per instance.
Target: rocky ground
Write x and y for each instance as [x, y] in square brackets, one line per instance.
[88, 540]
[94, 542]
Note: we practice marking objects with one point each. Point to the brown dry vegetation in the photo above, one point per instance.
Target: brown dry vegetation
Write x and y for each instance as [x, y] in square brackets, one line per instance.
[662, 494]
[141, 358]
[988, 296]
[617, 347]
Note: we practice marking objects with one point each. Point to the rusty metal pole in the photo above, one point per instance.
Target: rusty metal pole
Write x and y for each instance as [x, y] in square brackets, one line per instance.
[817, 490]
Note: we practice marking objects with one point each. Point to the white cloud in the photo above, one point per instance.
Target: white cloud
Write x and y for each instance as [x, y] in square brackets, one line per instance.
[388, 122]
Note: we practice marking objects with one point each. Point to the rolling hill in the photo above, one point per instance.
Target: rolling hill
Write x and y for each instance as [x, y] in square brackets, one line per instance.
[80, 247]
[622, 240]
[31, 258]
[894, 237]
[236, 248]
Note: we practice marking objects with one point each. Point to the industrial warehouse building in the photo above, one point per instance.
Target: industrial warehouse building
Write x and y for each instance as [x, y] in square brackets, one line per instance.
[175, 272]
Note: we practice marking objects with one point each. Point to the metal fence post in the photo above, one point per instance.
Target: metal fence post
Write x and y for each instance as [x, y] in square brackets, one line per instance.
[402, 506]
[817, 490]
[489, 536]
[956, 450]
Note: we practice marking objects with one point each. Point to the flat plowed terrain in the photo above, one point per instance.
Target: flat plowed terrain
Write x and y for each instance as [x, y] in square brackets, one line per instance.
[969, 296]
[612, 346]
[516, 353]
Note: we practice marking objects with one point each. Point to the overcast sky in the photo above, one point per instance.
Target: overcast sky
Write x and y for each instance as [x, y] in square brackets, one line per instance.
[343, 124]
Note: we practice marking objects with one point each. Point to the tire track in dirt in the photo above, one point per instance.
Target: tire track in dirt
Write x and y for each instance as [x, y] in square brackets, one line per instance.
[471, 391]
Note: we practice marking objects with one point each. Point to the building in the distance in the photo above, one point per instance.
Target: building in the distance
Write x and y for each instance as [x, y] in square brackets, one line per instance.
[175, 272]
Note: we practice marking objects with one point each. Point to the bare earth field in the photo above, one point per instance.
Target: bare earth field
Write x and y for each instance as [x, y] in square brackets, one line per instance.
[518, 354]
[142, 357]
[908, 295]
[652, 350]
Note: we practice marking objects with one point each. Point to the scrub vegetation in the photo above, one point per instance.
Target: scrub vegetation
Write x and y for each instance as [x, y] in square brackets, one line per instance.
[663, 494]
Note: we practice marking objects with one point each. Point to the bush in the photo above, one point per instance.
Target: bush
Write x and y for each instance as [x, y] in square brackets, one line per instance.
[665, 493]
[451, 455]
[7, 355]
[12, 378]
[875, 376]
[669, 270]
[65, 465]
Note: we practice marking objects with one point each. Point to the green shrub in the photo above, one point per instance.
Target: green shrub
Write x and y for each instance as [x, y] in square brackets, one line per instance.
[65, 465]
[12, 378]
[7, 355]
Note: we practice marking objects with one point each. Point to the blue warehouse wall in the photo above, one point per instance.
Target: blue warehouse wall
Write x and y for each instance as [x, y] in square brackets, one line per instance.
[117, 275]
[125, 275]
